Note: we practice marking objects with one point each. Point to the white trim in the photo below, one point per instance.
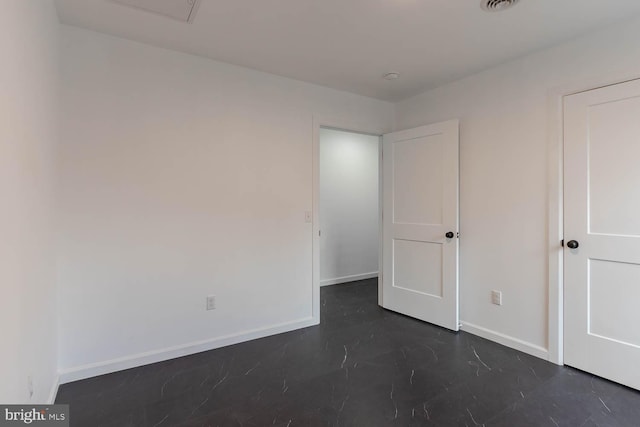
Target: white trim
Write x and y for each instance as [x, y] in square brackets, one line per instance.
[135, 360]
[346, 279]
[371, 128]
[506, 340]
[555, 229]
[54, 390]
[380, 226]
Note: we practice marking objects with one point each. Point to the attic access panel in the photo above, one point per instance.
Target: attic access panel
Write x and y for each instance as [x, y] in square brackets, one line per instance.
[182, 10]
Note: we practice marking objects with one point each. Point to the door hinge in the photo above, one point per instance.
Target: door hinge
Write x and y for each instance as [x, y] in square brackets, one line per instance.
[319, 233]
[562, 243]
[458, 234]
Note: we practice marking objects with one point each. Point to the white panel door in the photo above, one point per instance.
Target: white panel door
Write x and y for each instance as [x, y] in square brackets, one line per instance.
[420, 206]
[602, 232]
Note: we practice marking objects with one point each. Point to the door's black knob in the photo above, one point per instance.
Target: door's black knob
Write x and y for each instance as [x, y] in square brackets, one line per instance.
[573, 244]
[449, 235]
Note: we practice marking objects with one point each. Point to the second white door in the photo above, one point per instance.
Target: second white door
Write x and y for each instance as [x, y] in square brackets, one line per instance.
[602, 232]
[420, 223]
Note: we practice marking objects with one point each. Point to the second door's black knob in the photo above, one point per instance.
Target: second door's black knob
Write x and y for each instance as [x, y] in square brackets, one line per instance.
[573, 244]
[449, 235]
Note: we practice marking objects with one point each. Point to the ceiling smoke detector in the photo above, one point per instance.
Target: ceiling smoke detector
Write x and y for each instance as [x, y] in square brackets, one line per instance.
[497, 5]
[391, 76]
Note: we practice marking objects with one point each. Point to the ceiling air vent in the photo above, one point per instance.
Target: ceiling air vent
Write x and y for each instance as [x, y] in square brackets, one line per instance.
[497, 5]
[182, 10]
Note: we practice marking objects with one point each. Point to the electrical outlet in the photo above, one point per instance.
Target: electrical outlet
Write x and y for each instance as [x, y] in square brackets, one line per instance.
[30, 386]
[496, 297]
[211, 302]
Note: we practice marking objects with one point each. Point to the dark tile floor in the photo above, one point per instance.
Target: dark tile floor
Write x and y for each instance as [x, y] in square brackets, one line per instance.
[363, 366]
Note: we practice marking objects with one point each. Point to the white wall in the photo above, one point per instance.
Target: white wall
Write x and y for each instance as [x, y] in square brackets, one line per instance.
[182, 177]
[508, 115]
[348, 206]
[28, 90]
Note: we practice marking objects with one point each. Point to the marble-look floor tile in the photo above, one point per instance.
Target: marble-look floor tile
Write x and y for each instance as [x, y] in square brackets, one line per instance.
[363, 366]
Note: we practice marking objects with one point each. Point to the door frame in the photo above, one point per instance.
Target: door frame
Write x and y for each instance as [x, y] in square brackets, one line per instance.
[369, 128]
[555, 202]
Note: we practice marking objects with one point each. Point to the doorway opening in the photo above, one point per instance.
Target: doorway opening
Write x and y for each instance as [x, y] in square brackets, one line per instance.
[417, 181]
[349, 206]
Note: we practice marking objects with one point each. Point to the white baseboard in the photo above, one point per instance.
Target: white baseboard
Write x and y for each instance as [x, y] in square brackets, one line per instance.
[54, 391]
[346, 279]
[135, 360]
[506, 340]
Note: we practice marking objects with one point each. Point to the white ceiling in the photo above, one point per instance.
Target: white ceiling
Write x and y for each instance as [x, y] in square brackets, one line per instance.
[350, 44]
